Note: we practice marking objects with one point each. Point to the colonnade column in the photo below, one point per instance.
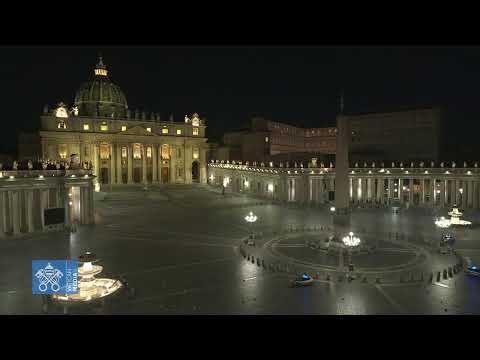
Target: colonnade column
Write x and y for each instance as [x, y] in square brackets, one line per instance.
[475, 194]
[15, 211]
[442, 192]
[29, 210]
[2, 214]
[469, 192]
[423, 191]
[119, 164]
[390, 189]
[154, 164]
[400, 190]
[410, 191]
[144, 164]
[129, 163]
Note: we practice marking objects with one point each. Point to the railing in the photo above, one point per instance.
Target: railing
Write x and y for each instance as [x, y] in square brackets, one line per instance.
[45, 173]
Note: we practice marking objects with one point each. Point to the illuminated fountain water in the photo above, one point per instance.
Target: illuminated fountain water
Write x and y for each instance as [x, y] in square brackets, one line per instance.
[454, 220]
[90, 287]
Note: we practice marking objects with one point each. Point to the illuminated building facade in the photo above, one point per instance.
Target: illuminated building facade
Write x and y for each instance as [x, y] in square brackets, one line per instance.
[120, 146]
[419, 184]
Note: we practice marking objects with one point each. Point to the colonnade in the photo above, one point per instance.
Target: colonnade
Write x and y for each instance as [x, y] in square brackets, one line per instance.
[24, 201]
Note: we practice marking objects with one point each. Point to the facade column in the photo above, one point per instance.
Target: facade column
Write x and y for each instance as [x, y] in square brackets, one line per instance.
[96, 157]
[113, 154]
[129, 163]
[144, 164]
[173, 162]
[119, 164]
[433, 187]
[159, 161]
[154, 164]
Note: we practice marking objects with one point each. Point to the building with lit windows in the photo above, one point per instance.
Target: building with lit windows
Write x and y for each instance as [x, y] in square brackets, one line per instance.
[121, 146]
[409, 134]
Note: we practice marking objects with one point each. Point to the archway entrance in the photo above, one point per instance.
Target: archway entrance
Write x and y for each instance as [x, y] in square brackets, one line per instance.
[165, 178]
[137, 175]
[195, 171]
[104, 175]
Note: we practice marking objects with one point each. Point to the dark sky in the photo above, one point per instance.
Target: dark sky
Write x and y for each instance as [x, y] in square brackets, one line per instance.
[228, 85]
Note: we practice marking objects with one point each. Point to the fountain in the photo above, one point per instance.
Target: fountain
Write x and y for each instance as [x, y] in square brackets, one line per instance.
[90, 288]
[454, 220]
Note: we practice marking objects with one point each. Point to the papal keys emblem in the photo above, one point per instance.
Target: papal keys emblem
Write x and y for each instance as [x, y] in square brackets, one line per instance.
[49, 276]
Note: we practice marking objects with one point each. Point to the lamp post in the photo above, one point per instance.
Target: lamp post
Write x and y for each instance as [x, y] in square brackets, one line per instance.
[251, 218]
[350, 242]
[461, 196]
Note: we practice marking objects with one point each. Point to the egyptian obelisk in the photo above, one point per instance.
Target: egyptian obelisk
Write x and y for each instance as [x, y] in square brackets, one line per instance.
[342, 203]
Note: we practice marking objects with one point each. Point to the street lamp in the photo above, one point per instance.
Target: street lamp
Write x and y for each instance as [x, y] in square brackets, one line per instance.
[350, 242]
[461, 195]
[251, 218]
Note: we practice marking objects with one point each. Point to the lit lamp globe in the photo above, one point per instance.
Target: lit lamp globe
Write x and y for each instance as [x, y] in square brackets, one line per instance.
[350, 240]
[251, 218]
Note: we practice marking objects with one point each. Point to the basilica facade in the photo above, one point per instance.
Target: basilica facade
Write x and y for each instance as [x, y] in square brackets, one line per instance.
[121, 146]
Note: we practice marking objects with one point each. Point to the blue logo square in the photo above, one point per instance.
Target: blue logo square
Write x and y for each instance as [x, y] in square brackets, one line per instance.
[55, 277]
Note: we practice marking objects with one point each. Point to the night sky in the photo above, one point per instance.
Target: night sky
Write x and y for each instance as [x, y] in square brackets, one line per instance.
[228, 85]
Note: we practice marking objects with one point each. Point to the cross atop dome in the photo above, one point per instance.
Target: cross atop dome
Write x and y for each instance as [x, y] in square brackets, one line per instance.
[100, 68]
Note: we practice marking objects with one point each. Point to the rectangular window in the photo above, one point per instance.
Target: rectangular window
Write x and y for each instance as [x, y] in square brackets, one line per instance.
[165, 152]
[195, 131]
[179, 132]
[62, 125]
[165, 131]
[124, 128]
[136, 151]
[124, 152]
[149, 152]
[104, 127]
[62, 151]
[149, 129]
[86, 127]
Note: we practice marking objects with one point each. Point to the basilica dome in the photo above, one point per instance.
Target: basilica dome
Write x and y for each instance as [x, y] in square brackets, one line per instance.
[100, 96]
